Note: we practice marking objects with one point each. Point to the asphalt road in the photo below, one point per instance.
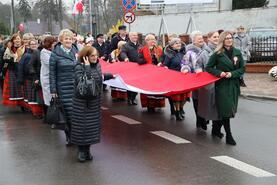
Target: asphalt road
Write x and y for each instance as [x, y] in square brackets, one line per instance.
[133, 151]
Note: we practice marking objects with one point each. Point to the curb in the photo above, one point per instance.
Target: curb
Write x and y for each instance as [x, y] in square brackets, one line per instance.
[245, 95]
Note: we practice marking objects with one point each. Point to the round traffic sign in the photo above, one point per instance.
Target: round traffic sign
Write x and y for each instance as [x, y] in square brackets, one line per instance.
[129, 17]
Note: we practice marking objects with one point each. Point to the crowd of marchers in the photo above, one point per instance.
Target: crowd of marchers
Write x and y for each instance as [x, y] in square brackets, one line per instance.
[36, 70]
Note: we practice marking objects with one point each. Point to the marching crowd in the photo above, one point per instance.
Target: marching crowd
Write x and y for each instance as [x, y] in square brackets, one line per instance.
[34, 71]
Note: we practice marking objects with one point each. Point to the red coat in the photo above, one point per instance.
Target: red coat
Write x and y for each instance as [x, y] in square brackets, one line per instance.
[145, 51]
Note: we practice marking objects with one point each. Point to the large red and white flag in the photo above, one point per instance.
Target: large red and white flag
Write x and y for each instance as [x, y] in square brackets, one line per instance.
[153, 80]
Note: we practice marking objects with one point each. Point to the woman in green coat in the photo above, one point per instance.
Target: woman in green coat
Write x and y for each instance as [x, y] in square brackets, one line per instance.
[226, 63]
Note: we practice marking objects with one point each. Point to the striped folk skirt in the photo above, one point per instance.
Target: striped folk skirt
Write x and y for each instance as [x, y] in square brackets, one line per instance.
[118, 93]
[180, 97]
[151, 101]
[33, 97]
[12, 91]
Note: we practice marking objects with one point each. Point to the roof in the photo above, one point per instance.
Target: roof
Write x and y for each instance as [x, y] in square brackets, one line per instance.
[42, 27]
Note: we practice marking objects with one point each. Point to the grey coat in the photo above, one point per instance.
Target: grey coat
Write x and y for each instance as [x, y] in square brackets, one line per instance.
[191, 62]
[206, 96]
[44, 75]
[86, 114]
[243, 43]
[61, 76]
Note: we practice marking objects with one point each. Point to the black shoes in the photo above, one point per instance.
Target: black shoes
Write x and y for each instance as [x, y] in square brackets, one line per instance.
[202, 125]
[81, 157]
[68, 143]
[230, 140]
[150, 109]
[132, 102]
[216, 129]
[178, 116]
[89, 157]
[84, 156]
[182, 113]
[242, 83]
[217, 133]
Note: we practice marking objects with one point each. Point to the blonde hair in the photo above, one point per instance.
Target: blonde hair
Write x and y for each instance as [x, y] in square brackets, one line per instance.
[210, 34]
[33, 40]
[64, 33]
[28, 36]
[220, 46]
[172, 36]
[120, 44]
[80, 38]
[150, 37]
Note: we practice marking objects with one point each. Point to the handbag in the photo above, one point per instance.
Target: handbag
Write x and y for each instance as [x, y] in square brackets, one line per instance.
[56, 115]
[87, 87]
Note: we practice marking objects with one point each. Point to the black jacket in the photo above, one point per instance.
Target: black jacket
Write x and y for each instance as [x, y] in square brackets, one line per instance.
[2, 51]
[115, 41]
[102, 50]
[35, 64]
[131, 51]
[61, 75]
[173, 58]
[86, 117]
[23, 67]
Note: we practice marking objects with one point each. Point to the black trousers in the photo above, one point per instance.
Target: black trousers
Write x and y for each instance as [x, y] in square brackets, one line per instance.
[83, 148]
[171, 103]
[131, 95]
[227, 126]
[199, 120]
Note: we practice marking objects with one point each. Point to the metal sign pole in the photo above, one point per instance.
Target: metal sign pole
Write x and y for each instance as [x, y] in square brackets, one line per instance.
[90, 17]
[163, 27]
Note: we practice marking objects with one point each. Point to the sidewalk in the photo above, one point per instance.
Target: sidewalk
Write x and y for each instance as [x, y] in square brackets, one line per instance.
[259, 85]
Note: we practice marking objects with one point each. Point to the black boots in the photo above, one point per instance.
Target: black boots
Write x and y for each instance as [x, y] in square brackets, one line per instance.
[229, 138]
[89, 157]
[242, 83]
[178, 116]
[84, 153]
[132, 102]
[201, 123]
[68, 138]
[81, 156]
[216, 129]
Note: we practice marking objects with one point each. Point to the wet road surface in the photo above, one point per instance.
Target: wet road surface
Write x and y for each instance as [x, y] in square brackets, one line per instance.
[140, 148]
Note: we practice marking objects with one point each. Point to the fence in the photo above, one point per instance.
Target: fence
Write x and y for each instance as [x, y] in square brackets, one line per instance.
[264, 49]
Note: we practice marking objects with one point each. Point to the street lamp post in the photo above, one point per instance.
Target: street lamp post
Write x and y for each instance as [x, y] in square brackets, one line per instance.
[12, 16]
[90, 16]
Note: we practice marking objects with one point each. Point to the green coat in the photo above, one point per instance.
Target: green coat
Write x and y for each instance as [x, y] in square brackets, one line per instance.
[227, 91]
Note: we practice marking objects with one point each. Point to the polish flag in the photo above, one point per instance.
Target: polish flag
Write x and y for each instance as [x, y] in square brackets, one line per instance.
[78, 7]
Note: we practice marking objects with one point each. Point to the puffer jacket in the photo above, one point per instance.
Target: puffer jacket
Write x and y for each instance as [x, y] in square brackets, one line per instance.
[173, 58]
[61, 76]
[86, 117]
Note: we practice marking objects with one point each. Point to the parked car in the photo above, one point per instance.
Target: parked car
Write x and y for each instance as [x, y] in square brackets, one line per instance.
[264, 44]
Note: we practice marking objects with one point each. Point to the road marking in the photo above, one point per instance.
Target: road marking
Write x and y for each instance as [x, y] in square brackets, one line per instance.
[252, 170]
[126, 119]
[104, 108]
[170, 137]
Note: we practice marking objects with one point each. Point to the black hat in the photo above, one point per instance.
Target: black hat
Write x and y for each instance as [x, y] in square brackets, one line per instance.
[122, 27]
[99, 35]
